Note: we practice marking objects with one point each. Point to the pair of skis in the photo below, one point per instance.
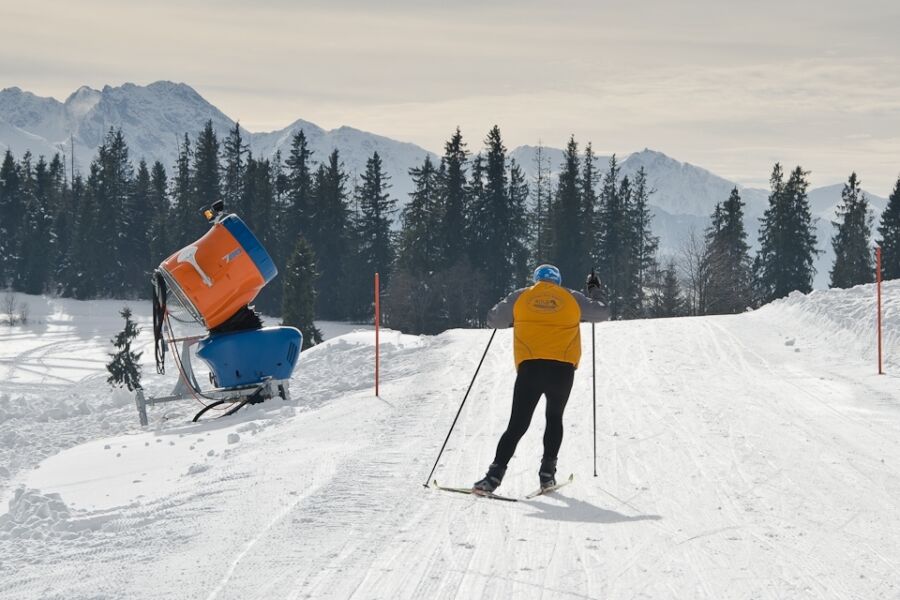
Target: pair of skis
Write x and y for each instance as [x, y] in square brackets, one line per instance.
[493, 496]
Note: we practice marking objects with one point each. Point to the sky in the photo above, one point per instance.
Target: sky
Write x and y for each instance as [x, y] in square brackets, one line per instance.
[732, 87]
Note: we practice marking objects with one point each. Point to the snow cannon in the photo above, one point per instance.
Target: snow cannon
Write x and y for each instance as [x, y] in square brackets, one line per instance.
[211, 283]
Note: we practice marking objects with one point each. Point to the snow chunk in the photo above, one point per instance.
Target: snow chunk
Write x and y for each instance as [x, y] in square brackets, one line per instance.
[197, 468]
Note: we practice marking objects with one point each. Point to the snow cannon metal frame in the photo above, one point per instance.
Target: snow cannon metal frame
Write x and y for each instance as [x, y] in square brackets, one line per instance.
[212, 282]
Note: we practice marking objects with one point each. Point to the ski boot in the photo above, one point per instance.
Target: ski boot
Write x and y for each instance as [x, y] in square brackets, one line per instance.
[547, 474]
[491, 480]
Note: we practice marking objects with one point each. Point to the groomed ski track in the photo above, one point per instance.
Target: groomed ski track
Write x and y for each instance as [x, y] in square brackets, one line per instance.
[750, 456]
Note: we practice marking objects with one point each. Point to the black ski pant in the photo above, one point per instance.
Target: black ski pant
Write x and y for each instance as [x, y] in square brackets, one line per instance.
[537, 378]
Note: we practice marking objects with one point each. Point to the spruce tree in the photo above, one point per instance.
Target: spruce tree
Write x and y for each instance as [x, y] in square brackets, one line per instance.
[234, 150]
[414, 300]
[628, 293]
[668, 302]
[299, 294]
[259, 198]
[568, 250]
[136, 240]
[644, 244]
[475, 241]
[124, 368]
[183, 229]
[784, 262]
[420, 251]
[277, 236]
[455, 199]
[371, 247]
[300, 208]
[207, 176]
[517, 234]
[728, 260]
[541, 207]
[329, 235]
[852, 252]
[12, 210]
[889, 230]
[112, 195]
[32, 268]
[494, 228]
[589, 179]
[159, 244]
[63, 228]
[376, 207]
[79, 277]
[615, 257]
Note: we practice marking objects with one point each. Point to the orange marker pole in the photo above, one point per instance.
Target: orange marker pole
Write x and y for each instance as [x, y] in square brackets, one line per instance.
[878, 287]
[377, 322]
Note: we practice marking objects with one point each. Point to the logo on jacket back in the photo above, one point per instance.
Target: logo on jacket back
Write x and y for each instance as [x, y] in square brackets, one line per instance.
[546, 304]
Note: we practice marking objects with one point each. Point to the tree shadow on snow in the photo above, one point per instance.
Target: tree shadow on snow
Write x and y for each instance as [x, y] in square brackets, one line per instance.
[579, 511]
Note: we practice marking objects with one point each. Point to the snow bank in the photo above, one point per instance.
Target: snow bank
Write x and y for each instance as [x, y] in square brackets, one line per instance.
[38, 516]
[844, 319]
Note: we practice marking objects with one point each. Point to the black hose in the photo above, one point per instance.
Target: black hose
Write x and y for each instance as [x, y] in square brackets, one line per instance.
[159, 316]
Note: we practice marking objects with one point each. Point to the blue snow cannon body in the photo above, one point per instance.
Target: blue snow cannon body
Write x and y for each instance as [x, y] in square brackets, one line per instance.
[245, 358]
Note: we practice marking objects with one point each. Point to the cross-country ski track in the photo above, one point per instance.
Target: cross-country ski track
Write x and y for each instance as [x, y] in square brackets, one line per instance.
[748, 456]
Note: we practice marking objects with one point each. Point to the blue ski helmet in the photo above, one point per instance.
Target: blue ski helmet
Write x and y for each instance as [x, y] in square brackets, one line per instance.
[547, 273]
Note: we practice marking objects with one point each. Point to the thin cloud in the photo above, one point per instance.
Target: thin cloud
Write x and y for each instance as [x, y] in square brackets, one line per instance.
[816, 82]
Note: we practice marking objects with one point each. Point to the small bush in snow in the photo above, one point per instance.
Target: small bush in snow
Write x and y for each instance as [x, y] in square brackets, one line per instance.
[10, 307]
[125, 368]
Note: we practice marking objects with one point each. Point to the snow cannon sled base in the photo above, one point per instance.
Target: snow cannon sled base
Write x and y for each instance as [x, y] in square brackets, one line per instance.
[240, 379]
[212, 282]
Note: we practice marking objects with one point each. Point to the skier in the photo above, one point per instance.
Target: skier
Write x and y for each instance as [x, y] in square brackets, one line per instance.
[547, 347]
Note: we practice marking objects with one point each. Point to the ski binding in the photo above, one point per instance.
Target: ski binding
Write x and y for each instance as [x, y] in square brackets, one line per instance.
[552, 488]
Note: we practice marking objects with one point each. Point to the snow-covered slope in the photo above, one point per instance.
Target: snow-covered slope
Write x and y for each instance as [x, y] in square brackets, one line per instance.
[14, 138]
[750, 456]
[42, 117]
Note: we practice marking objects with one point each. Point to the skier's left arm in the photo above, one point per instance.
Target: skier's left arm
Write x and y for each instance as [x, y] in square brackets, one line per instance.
[592, 311]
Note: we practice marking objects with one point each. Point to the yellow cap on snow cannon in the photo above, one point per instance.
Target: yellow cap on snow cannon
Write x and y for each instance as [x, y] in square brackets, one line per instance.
[220, 273]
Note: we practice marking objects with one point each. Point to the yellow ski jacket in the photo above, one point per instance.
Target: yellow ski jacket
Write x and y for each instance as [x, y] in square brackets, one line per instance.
[545, 320]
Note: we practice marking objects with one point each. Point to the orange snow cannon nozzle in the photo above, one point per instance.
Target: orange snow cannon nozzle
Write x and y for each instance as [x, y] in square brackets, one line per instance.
[220, 273]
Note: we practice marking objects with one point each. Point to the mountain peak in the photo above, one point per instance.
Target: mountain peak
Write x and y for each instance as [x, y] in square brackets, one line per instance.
[82, 100]
[648, 155]
[164, 85]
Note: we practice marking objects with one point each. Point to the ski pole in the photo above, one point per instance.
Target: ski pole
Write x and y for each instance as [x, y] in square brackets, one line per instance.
[593, 281]
[460, 409]
[594, 381]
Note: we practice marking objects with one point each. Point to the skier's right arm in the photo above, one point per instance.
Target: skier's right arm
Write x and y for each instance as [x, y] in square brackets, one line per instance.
[501, 316]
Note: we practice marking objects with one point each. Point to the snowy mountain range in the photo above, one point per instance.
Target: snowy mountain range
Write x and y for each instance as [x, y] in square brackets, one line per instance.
[154, 119]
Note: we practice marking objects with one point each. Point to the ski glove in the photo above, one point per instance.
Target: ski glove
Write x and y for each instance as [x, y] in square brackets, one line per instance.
[594, 291]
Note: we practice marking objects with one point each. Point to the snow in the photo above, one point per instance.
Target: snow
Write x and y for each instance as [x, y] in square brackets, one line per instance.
[748, 456]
